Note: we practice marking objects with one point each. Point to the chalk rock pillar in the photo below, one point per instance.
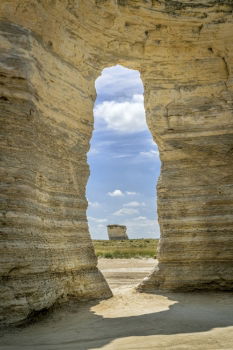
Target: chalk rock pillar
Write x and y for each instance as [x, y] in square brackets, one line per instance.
[45, 247]
[117, 232]
[193, 125]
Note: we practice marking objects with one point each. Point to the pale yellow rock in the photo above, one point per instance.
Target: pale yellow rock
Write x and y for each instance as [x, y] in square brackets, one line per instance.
[52, 51]
[117, 232]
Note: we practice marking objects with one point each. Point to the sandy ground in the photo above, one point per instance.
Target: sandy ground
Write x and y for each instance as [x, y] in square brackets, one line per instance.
[132, 320]
[125, 272]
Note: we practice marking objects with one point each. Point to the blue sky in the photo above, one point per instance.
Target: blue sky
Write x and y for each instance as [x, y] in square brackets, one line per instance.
[123, 159]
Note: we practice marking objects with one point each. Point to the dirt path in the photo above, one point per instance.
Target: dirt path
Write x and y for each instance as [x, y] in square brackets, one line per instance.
[125, 272]
[132, 321]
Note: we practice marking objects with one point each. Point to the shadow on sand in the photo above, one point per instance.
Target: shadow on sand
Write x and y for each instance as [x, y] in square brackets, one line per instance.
[80, 328]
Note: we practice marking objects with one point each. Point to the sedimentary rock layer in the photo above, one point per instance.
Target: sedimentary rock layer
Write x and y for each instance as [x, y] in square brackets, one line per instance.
[117, 232]
[46, 250]
[51, 54]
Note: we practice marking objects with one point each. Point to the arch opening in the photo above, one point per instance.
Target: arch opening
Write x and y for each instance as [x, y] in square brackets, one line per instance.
[124, 167]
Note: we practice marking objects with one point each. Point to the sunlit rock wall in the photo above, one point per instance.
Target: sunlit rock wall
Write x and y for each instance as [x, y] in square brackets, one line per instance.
[51, 54]
[46, 110]
[117, 232]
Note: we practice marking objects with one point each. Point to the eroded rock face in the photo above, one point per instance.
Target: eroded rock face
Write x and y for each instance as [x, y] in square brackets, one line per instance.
[51, 54]
[117, 232]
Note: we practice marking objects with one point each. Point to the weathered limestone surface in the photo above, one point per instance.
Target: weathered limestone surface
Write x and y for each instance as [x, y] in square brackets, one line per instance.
[51, 53]
[117, 232]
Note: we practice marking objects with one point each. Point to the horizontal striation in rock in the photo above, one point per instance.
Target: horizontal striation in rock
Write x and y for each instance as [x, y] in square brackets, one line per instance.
[197, 275]
[46, 251]
[51, 54]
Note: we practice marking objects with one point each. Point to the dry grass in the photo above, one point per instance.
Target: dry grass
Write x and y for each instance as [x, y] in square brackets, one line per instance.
[132, 248]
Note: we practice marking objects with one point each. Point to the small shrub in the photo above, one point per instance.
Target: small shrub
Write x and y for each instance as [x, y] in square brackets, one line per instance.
[133, 248]
[108, 255]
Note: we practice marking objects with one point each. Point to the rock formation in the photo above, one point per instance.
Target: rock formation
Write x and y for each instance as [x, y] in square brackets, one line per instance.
[52, 51]
[117, 232]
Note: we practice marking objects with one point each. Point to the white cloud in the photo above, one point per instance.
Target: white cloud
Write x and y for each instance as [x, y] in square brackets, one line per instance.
[142, 226]
[119, 81]
[150, 154]
[123, 156]
[127, 116]
[98, 230]
[93, 151]
[119, 193]
[140, 218]
[152, 143]
[131, 193]
[94, 204]
[126, 211]
[97, 220]
[134, 204]
[116, 193]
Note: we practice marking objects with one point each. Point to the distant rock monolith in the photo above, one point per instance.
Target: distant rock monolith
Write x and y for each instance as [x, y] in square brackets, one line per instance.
[117, 232]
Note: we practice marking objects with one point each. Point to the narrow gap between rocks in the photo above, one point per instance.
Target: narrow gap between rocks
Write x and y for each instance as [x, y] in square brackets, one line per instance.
[124, 168]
